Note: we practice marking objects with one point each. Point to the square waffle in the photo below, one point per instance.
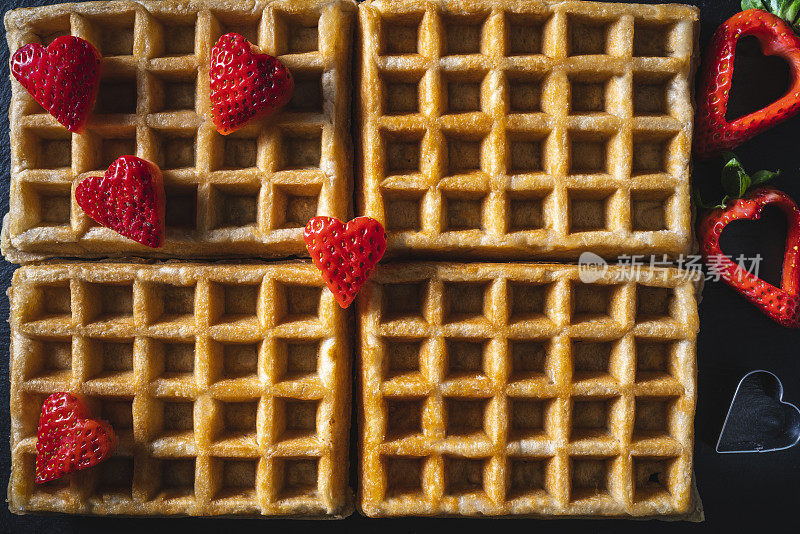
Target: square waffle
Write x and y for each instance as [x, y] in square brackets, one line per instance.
[249, 193]
[505, 389]
[529, 129]
[227, 385]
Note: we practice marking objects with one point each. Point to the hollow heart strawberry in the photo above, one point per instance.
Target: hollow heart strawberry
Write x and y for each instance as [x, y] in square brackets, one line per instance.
[780, 304]
[713, 131]
[345, 253]
[245, 85]
[68, 440]
[129, 199]
[63, 78]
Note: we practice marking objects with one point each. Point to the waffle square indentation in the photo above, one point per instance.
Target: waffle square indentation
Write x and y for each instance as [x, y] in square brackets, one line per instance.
[590, 477]
[466, 358]
[297, 35]
[403, 417]
[108, 302]
[401, 357]
[399, 35]
[528, 418]
[295, 418]
[50, 358]
[465, 301]
[404, 475]
[177, 477]
[524, 34]
[237, 478]
[465, 417]
[117, 95]
[463, 34]
[527, 358]
[297, 302]
[298, 359]
[588, 36]
[404, 301]
[464, 476]
[527, 477]
[296, 477]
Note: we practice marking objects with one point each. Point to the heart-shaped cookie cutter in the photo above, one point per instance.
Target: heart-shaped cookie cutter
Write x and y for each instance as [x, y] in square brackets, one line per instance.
[759, 420]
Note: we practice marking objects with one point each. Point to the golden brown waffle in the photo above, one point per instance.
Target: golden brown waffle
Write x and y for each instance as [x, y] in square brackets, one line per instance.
[250, 193]
[517, 389]
[228, 387]
[535, 129]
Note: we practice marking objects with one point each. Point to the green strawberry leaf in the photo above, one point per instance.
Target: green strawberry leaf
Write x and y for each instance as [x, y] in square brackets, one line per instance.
[735, 180]
[791, 11]
[759, 177]
[754, 4]
[788, 10]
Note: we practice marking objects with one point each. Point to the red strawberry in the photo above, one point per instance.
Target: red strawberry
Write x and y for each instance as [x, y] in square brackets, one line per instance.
[63, 78]
[780, 304]
[129, 199]
[245, 85]
[714, 133]
[345, 253]
[68, 440]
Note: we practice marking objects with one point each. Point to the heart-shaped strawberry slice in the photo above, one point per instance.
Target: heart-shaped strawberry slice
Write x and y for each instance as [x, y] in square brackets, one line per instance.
[345, 253]
[713, 131]
[781, 304]
[129, 199]
[63, 78]
[245, 85]
[68, 440]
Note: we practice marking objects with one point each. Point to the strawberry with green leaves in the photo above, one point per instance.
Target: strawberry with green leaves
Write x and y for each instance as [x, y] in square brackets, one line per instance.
[773, 23]
[68, 439]
[742, 201]
[245, 85]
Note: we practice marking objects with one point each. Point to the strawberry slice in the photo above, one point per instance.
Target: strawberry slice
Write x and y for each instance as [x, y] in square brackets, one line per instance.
[68, 440]
[245, 85]
[714, 133]
[63, 78]
[345, 253]
[782, 304]
[129, 199]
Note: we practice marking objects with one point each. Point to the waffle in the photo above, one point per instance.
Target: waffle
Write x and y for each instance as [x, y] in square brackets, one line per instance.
[250, 193]
[527, 129]
[227, 385]
[500, 389]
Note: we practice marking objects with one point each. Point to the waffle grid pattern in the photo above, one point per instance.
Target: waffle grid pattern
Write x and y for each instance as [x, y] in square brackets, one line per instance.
[227, 386]
[249, 193]
[491, 129]
[530, 129]
[518, 389]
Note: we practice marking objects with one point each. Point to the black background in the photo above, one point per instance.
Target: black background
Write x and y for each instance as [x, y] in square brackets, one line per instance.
[739, 491]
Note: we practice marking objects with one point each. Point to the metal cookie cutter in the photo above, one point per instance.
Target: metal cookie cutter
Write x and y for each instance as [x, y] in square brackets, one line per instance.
[758, 419]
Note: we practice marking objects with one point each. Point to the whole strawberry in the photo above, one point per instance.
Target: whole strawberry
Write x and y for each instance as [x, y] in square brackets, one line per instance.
[68, 440]
[129, 199]
[345, 253]
[780, 304]
[713, 132]
[63, 78]
[245, 85]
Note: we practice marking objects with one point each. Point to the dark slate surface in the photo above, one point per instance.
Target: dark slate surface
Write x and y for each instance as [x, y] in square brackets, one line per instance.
[739, 491]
